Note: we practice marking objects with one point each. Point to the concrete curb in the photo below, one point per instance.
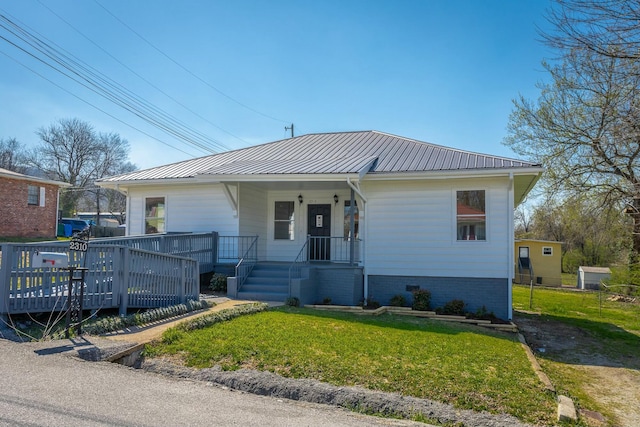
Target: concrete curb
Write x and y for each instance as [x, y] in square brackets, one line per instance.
[535, 365]
[566, 408]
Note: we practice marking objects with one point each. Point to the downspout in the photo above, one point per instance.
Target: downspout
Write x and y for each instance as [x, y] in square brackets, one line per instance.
[363, 228]
[510, 245]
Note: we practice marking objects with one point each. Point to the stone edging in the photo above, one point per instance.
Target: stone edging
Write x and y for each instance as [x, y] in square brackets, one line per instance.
[407, 311]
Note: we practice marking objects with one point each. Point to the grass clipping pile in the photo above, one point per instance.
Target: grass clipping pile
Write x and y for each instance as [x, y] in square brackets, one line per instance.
[353, 398]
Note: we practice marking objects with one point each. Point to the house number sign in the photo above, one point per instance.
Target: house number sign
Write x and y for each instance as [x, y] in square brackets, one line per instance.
[78, 245]
[319, 221]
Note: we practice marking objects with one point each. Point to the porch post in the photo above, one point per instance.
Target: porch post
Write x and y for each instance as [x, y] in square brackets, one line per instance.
[352, 225]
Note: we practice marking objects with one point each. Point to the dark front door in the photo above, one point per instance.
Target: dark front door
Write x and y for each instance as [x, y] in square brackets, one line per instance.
[319, 228]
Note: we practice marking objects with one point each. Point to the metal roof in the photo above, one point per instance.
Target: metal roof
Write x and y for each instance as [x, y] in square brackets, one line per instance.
[329, 153]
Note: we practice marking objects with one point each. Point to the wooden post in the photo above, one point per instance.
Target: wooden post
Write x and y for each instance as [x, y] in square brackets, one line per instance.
[531, 294]
[352, 226]
[5, 275]
[183, 280]
[124, 285]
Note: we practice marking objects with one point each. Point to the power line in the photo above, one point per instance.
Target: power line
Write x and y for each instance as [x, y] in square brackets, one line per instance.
[81, 73]
[186, 69]
[141, 77]
[94, 106]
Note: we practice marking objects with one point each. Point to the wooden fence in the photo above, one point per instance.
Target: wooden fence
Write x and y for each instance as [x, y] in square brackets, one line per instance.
[130, 272]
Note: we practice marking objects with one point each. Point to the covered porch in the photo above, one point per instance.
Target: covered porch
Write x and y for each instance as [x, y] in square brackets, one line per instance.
[308, 241]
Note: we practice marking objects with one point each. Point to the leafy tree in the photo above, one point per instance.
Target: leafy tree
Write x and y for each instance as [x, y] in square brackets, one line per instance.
[71, 151]
[592, 233]
[585, 127]
[12, 155]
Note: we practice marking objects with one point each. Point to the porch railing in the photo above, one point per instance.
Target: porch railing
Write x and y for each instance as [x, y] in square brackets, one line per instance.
[231, 249]
[247, 262]
[318, 249]
[118, 276]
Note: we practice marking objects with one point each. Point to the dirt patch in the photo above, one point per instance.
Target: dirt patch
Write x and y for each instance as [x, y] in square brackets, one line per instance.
[612, 380]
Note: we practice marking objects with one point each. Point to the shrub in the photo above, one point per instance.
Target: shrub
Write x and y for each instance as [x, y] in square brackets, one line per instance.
[482, 314]
[116, 323]
[453, 307]
[218, 282]
[398, 301]
[292, 302]
[326, 301]
[421, 300]
[371, 304]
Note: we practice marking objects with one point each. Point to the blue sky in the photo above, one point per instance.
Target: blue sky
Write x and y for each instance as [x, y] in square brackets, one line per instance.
[442, 71]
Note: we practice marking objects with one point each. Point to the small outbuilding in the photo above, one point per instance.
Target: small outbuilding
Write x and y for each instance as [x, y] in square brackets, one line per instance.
[591, 277]
[538, 260]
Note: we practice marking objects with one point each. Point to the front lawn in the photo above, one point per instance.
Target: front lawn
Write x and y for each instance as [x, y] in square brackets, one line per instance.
[589, 340]
[464, 365]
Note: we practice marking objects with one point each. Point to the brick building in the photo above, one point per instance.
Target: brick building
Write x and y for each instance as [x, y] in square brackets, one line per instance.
[28, 205]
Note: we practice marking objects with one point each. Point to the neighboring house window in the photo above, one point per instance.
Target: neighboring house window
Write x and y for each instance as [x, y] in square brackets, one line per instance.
[471, 217]
[154, 217]
[34, 195]
[347, 220]
[284, 221]
[547, 251]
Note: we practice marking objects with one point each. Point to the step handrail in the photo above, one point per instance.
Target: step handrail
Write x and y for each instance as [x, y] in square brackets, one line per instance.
[247, 262]
[295, 270]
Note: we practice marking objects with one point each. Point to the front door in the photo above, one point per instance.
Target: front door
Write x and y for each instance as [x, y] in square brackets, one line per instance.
[319, 228]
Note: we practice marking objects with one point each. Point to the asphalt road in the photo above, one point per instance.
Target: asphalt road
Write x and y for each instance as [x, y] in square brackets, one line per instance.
[41, 385]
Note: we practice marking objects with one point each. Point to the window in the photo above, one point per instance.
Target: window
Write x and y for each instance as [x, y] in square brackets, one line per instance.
[284, 221]
[471, 217]
[34, 195]
[547, 251]
[154, 215]
[347, 220]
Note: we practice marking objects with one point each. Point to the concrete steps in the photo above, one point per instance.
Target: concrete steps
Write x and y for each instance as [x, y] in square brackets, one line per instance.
[267, 282]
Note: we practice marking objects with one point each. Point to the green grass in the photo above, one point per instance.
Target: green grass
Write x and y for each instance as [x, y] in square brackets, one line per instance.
[587, 309]
[612, 330]
[464, 365]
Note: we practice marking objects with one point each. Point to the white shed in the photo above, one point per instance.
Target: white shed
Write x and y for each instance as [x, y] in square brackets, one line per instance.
[590, 277]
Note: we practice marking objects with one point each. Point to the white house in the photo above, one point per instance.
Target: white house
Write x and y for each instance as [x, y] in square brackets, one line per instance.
[425, 216]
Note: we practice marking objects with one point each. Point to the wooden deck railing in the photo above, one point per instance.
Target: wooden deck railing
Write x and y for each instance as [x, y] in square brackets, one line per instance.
[117, 276]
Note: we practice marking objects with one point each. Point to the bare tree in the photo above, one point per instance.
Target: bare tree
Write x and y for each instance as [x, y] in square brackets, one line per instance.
[12, 155]
[609, 28]
[71, 151]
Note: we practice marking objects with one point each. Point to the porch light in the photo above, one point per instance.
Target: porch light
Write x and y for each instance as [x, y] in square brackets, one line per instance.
[335, 198]
[300, 199]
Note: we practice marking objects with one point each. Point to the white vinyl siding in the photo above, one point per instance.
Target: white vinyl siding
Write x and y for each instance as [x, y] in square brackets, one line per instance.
[188, 208]
[253, 215]
[411, 229]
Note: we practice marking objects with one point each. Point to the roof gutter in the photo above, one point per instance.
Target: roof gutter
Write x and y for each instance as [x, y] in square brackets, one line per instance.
[463, 173]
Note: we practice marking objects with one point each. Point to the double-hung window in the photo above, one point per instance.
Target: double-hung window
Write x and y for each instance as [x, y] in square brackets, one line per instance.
[154, 215]
[471, 215]
[284, 223]
[33, 197]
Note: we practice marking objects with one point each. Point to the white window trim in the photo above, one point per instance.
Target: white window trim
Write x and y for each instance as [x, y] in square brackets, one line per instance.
[454, 215]
[294, 221]
[550, 250]
[144, 212]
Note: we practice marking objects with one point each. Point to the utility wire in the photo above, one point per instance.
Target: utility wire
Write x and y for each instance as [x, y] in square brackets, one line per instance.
[186, 69]
[102, 85]
[92, 105]
[141, 77]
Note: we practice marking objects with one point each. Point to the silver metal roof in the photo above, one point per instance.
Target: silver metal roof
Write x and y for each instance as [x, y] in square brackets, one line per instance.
[329, 153]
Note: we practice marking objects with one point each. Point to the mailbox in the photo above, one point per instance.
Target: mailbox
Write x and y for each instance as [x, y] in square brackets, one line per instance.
[50, 260]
